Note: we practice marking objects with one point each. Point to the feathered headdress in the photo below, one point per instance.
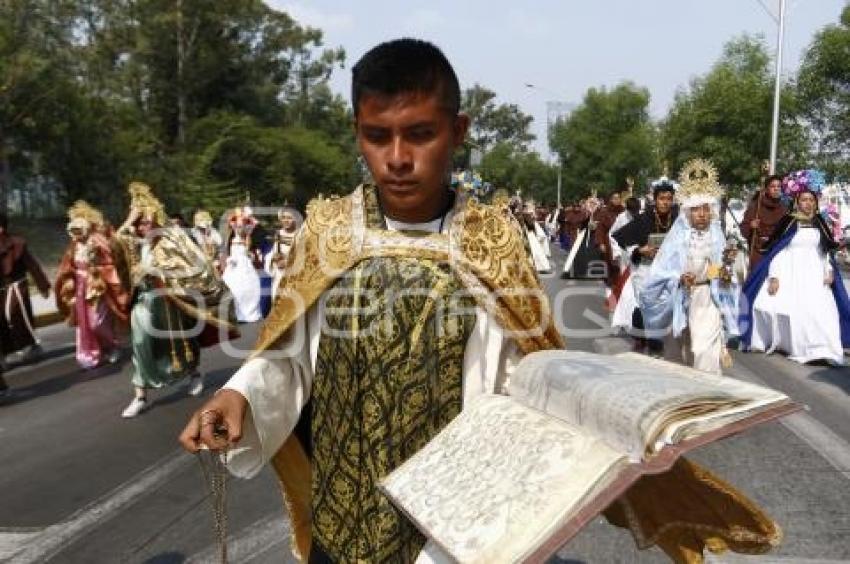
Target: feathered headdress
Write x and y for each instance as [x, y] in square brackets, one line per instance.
[81, 215]
[699, 184]
[809, 180]
[143, 200]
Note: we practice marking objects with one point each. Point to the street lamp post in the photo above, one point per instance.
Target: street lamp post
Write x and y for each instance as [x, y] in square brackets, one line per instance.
[554, 111]
[777, 94]
[559, 183]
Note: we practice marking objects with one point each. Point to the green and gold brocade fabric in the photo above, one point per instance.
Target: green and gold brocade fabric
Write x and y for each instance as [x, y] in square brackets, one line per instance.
[389, 377]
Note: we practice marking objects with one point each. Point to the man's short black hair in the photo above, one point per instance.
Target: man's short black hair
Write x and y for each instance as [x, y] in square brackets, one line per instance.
[633, 205]
[665, 186]
[771, 178]
[404, 66]
[4, 221]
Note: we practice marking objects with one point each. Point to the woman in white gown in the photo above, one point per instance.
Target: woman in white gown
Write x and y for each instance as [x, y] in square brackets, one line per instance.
[275, 260]
[796, 294]
[536, 239]
[239, 272]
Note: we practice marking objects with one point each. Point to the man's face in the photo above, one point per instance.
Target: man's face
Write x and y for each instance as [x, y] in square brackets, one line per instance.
[616, 200]
[806, 202]
[408, 141]
[287, 221]
[774, 189]
[78, 234]
[663, 202]
[143, 227]
[700, 217]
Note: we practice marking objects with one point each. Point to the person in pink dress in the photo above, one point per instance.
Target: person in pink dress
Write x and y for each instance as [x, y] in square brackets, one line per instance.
[91, 287]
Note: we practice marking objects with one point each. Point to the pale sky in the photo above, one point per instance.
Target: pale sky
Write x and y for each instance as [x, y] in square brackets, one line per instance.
[564, 47]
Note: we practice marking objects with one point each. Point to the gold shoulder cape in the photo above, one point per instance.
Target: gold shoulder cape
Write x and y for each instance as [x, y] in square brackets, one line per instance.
[683, 511]
[186, 277]
[485, 250]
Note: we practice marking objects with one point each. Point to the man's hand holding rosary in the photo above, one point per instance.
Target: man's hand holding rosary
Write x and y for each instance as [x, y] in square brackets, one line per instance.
[214, 428]
[217, 425]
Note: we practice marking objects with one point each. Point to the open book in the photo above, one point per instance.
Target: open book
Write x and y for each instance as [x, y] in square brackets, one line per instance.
[514, 478]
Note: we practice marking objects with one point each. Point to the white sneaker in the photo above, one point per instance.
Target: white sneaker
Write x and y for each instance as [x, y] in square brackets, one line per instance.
[196, 385]
[136, 407]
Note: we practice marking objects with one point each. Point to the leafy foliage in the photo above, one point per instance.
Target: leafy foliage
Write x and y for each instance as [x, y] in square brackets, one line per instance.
[495, 123]
[203, 99]
[608, 138]
[725, 116]
[507, 167]
[824, 86]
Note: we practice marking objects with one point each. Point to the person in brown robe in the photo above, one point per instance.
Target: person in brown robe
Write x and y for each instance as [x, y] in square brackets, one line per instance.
[17, 323]
[571, 219]
[606, 218]
[764, 212]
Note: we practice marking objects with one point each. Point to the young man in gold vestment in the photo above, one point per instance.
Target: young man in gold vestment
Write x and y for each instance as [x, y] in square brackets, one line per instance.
[400, 302]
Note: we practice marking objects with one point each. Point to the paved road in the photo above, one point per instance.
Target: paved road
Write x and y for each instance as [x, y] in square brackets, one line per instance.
[81, 485]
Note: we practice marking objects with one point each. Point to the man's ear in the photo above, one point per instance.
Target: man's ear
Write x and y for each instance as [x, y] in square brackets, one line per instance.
[461, 127]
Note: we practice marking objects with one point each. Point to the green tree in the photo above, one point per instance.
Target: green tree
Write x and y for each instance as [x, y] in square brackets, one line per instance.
[505, 166]
[606, 139]
[234, 153]
[824, 87]
[725, 116]
[37, 87]
[493, 123]
[94, 93]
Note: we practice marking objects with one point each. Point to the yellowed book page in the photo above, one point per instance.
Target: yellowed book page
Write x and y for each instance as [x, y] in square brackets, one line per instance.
[625, 400]
[500, 479]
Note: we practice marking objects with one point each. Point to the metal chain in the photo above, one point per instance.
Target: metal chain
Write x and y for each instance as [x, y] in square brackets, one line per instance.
[214, 471]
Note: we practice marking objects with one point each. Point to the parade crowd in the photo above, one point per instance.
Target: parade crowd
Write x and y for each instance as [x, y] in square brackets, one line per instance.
[387, 310]
[677, 265]
[167, 289]
[677, 269]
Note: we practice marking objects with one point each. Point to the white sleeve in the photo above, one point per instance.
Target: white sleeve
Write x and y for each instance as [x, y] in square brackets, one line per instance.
[489, 359]
[827, 265]
[277, 386]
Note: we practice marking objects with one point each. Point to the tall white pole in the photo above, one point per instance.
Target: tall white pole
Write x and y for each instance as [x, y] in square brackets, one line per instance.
[780, 43]
[559, 183]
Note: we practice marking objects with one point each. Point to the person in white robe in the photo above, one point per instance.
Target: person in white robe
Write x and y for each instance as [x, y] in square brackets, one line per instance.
[691, 288]
[799, 303]
[275, 260]
[240, 275]
[538, 242]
